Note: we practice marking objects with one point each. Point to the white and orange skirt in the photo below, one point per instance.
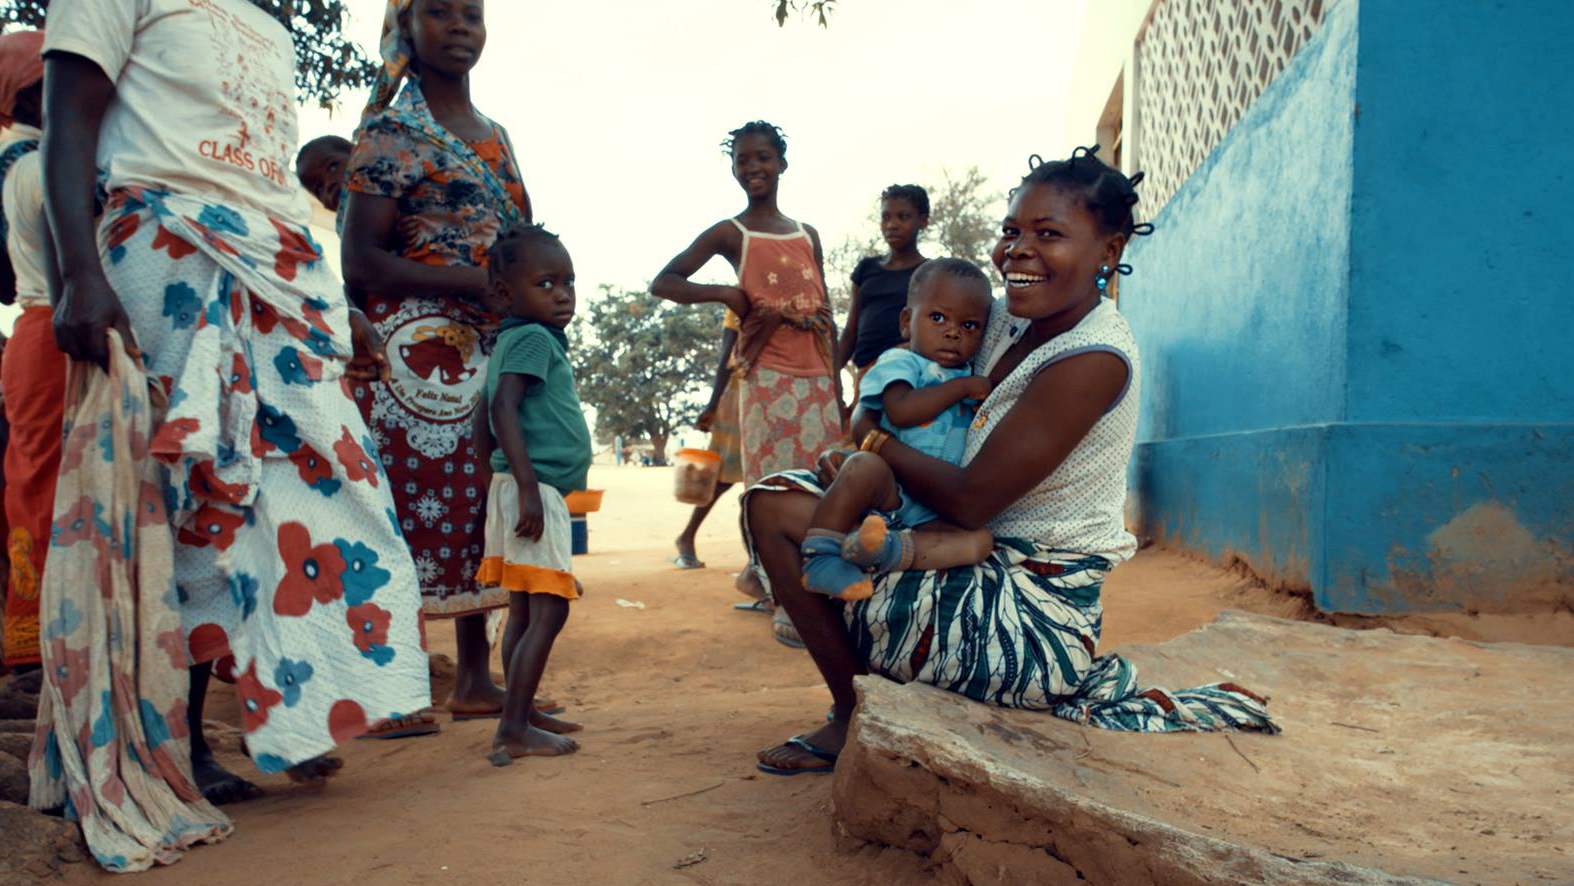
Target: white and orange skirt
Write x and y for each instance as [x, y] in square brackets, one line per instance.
[522, 564]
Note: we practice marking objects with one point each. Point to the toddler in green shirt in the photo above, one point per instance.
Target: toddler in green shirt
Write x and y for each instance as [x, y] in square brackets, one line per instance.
[542, 453]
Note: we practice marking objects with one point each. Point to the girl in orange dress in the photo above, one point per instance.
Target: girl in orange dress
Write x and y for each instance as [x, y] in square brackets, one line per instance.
[790, 404]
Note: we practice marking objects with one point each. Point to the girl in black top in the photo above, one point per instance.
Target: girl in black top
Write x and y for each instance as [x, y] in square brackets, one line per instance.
[880, 285]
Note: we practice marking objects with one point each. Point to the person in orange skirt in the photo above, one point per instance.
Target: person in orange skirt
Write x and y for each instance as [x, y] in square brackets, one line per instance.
[789, 394]
[32, 376]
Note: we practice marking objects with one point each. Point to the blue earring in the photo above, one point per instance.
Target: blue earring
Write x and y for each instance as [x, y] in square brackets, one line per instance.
[1101, 279]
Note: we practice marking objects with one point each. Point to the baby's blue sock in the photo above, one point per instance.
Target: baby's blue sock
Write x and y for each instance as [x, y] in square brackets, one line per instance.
[825, 572]
[874, 545]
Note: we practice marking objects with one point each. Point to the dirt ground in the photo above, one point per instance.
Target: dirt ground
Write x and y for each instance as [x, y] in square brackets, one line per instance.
[676, 692]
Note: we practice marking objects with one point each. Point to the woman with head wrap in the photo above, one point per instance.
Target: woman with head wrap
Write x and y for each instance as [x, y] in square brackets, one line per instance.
[32, 376]
[286, 555]
[432, 181]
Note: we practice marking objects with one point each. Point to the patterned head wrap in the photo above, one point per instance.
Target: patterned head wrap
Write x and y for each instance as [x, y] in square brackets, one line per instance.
[397, 52]
[21, 65]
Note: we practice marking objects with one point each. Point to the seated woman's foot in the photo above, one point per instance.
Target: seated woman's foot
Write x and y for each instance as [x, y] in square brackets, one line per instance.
[532, 742]
[808, 754]
[219, 785]
[832, 576]
[552, 724]
[316, 769]
[874, 545]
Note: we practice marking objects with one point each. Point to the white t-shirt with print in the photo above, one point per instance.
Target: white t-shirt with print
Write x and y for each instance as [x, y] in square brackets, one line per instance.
[24, 215]
[204, 97]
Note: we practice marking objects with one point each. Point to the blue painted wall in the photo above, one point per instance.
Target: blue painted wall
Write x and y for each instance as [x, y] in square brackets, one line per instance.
[1357, 319]
[1238, 303]
[1239, 298]
[1462, 267]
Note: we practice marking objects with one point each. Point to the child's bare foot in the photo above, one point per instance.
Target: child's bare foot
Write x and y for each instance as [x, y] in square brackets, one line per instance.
[315, 769]
[553, 724]
[533, 742]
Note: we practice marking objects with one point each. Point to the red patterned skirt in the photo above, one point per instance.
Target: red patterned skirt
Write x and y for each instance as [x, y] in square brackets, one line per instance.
[421, 422]
[785, 421]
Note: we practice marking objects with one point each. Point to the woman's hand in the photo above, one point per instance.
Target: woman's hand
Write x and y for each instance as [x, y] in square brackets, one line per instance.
[830, 464]
[863, 421]
[370, 361]
[88, 309]
[737, 300]
[532, 517]
[706, 420]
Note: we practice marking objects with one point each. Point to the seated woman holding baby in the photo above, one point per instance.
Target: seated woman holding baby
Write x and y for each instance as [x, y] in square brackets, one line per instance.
[1015, 623]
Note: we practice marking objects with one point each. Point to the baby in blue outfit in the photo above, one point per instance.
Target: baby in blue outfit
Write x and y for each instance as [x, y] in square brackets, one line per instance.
[926, 398]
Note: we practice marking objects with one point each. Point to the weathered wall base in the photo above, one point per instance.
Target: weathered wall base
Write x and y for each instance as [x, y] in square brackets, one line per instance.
[1376, 518]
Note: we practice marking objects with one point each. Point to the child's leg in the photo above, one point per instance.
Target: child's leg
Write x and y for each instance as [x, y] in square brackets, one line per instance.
[517, 735]
[513, 630]
[865, 481]
[945, 545]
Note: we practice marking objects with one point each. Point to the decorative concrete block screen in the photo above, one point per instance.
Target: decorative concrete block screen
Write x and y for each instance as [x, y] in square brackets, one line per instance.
[1200, 65]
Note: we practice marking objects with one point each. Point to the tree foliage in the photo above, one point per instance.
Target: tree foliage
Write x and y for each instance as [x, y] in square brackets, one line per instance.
[326, 63]
[818, 9]
[643, 363]
[964, 216]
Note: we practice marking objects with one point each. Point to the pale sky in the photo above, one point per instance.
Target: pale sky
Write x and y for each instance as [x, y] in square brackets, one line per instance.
[617, 109]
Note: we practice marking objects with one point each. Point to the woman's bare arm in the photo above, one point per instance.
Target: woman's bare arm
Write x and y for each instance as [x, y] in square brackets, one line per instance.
[849, 340]
[672, 283]
[1023, 449]
[76, 94]
[370, 265]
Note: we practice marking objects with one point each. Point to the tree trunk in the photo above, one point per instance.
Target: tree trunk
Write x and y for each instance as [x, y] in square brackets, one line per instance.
[658, 442]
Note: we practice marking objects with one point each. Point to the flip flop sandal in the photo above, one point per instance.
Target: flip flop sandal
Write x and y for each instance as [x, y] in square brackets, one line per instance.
[784, 632]
[755, 606]
[404, 727]
[546, 706]
[798, 742]
[687, 561]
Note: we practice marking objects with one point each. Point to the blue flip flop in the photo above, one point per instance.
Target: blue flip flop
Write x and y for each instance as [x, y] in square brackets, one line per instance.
[753, 606]
[800, 743]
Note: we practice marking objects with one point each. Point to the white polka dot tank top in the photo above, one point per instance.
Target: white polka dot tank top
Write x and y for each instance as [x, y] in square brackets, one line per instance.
[1079, 507]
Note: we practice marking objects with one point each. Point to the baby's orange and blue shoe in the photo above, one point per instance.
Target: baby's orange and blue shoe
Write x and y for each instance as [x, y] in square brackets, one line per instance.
[875, 545]
[825, 572]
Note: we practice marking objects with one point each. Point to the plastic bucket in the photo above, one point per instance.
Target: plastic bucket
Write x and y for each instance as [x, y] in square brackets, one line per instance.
[583, 501]
[694, 477]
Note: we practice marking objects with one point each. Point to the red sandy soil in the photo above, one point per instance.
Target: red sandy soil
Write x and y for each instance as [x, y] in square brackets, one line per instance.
[675, 698]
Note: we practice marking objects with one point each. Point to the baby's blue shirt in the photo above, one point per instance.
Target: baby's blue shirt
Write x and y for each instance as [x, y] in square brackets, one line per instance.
[945, 437]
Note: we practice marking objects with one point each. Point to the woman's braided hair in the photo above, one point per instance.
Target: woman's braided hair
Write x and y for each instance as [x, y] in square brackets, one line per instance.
[1106, 192]
[771, 131]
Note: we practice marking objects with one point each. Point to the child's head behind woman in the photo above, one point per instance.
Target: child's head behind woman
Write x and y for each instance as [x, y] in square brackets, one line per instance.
[530, 277]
